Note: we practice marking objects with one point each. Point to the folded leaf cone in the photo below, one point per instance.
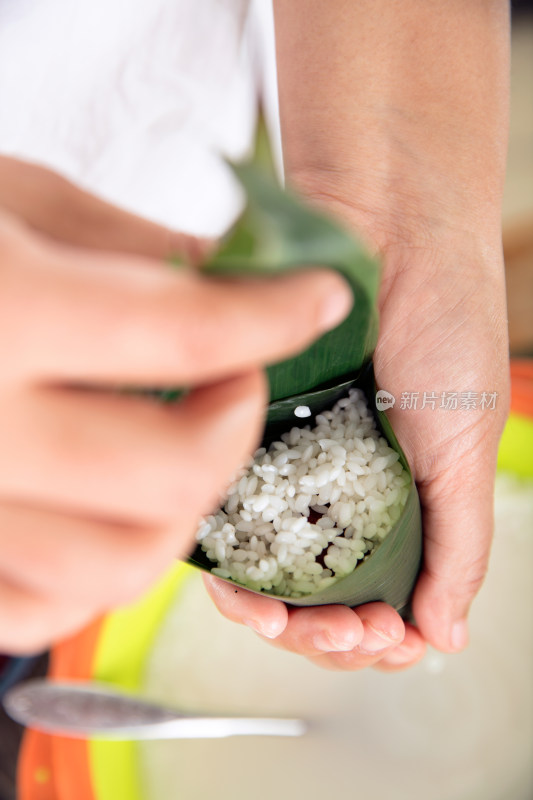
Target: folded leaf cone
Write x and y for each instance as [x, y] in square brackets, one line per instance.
[278, 232]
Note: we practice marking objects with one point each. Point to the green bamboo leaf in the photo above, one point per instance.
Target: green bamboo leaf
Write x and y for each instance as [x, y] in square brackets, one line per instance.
[278, 232]
[389, 573]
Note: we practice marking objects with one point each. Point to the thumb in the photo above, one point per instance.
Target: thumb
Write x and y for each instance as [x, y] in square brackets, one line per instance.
[458, 524]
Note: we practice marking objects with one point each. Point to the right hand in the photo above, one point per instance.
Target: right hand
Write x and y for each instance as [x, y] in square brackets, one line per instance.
[100, 490]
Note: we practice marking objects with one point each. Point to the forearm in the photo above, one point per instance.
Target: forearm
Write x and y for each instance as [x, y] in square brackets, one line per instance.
[395, 114]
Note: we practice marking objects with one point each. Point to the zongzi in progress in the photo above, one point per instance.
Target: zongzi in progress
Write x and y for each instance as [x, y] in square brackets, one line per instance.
[309, 509]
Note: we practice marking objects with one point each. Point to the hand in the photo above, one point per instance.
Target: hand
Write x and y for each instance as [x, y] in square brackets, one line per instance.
[333, 637]
[442, 330]
[100, 490]
[415, 163]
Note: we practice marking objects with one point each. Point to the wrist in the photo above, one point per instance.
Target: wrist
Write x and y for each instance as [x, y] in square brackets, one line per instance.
[406, 210]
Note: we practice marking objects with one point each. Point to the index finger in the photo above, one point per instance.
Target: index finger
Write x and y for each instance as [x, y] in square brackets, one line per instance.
[81, 317]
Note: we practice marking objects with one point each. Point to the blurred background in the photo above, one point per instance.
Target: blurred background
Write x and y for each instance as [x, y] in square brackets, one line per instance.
[518, 198]
[452, 728]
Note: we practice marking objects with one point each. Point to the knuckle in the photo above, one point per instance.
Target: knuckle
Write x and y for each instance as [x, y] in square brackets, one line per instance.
[473, 579]
[462, 585]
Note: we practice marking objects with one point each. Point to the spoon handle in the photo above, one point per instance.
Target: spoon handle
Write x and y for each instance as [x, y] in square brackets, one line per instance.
[84, 710]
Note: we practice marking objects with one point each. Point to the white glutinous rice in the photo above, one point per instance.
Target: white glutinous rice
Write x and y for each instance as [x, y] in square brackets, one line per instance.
[305, 512]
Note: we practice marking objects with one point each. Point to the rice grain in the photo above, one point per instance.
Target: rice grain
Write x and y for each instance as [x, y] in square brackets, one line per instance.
[311, 508]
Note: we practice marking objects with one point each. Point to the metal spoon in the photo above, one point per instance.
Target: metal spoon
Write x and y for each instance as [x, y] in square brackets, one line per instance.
[82, 710]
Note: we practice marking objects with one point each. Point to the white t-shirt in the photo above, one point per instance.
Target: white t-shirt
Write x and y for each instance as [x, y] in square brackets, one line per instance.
[139, 100]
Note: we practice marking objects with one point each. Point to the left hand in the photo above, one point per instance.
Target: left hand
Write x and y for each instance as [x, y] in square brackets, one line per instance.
[443, 329]
[333, 637]
[414, 162]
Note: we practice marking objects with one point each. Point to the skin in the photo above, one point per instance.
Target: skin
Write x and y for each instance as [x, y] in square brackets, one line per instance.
[99, 490]
[414, 163]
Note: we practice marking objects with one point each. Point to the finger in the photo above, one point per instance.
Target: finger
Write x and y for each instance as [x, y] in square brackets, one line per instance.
[86, 562]
[333, 637]
[30, 623]
[321, 629]
[382, 631]
[306, 631]
[407, 654]
[458, 523]
[264, 615]
[54, 206]
[168, 464]
[123, 320]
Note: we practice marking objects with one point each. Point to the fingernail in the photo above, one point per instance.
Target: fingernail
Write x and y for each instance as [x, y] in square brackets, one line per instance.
[374, 641]
[329, 643]
[268, 629]
[459, 635]
[336, 305]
